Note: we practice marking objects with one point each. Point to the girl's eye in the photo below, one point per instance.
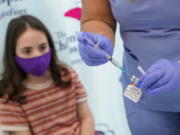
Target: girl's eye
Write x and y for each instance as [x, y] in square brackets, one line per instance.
[42, 47]
[26, 51]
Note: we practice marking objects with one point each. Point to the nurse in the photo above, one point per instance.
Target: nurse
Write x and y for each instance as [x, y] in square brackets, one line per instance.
[150, 31]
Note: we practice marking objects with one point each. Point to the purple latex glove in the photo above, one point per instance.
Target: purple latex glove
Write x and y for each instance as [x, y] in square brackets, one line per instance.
[93, 56]
[162, 76]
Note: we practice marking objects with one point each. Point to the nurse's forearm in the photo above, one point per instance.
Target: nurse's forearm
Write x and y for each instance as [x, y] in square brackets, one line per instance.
[99, 27]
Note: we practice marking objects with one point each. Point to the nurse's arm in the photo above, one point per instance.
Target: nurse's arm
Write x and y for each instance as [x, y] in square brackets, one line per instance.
[97, 17]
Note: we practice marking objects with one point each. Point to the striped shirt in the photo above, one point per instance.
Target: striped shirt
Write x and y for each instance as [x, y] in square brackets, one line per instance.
[48, 110]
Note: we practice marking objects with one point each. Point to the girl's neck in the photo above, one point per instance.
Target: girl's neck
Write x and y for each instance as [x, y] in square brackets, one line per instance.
[31, 79]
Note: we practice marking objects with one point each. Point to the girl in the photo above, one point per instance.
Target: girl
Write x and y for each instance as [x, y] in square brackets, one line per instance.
[39, 96]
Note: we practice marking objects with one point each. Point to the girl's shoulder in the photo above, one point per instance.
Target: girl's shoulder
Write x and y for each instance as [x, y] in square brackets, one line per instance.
[6, 104]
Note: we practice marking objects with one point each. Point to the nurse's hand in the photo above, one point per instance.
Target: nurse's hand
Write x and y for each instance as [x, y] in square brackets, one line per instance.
[93, 56]
[162, 76]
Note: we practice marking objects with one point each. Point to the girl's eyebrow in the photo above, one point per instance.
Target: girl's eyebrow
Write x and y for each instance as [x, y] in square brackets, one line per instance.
[42, 44]
[27, 47]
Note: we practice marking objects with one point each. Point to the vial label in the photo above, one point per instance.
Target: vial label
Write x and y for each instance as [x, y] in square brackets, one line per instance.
[133, 93]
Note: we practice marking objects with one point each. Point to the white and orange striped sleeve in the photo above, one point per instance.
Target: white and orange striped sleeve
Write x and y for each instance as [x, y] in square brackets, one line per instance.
[12, 117]
[81, 94]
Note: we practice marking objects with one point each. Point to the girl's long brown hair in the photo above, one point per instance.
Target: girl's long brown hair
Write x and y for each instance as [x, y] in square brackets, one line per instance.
[12, 77]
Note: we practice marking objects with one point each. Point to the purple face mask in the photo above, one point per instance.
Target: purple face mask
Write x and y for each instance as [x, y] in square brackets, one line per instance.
[36, 66]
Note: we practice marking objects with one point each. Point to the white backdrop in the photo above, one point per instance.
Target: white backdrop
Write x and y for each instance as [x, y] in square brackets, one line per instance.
[102, 82]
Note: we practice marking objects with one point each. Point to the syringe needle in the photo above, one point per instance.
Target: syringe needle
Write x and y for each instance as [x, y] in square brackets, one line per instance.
[111, 59]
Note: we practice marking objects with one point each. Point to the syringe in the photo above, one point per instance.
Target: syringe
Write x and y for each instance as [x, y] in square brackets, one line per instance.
[111, 59]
